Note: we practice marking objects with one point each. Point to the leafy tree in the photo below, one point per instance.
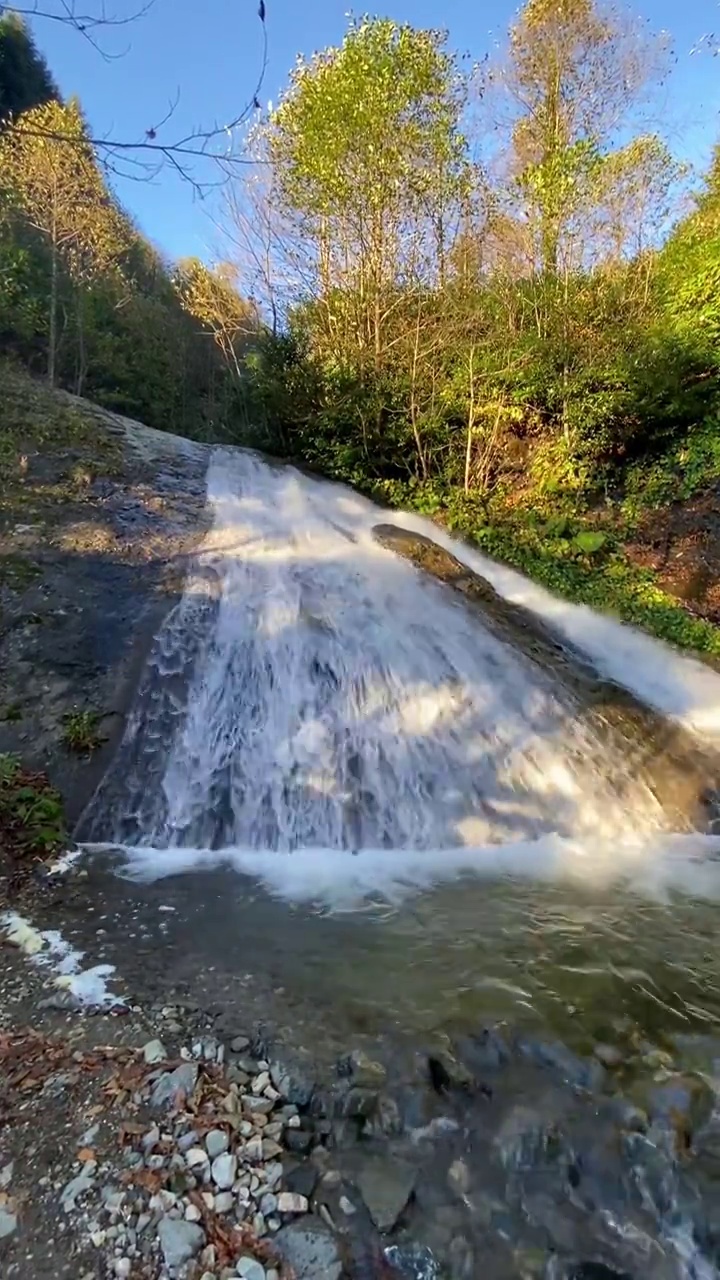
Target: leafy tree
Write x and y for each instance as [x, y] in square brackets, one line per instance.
[575, 69]
[25, 79]
[63, 196]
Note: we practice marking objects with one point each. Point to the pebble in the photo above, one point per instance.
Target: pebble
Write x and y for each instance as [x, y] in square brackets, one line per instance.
[192, 1213]
[257, 1105]
[151, 1138]
[8, 1223]
[187, 1140]
[292, 1202]
[154, 1051]
[268, 1204]
[250, 1269]
[216, 1142]
[223, 1201]
[123, 1267]
[224, 1169]
[196, 1157]
[180, 1241]
[239, 1044]
[261, 1082]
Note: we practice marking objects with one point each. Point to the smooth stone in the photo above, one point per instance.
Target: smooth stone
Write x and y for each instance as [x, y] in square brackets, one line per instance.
[291, 1084]
[192, 1213]
[309, 1248]
[261, 1082]
[8, 1223]
[257, 1105]
[386, 1186]
[154, 1051]
[224, 1201]
[224, 1169]
[268, 1204]
[292, 1202]
[250, 1269]
[196, 1158]
[239, 1044]
[216, 1142]
[180, 1241]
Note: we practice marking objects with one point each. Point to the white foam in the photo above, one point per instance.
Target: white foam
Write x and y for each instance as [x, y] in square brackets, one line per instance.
[341, 879]
[48, 949]
[681, 687]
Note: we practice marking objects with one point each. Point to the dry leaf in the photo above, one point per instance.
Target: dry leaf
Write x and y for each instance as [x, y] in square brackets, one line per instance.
[85, 1154]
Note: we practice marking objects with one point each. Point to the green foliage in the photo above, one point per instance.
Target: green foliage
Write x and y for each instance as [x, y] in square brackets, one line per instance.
[25, 80]
[31, 812]
[80, 732]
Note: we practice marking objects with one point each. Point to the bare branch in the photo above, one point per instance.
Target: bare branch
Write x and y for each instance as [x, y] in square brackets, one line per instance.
[143, 158]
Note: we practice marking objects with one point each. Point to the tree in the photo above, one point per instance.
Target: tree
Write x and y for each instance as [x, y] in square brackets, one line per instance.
[61, 194]
[210, 296]
[575, 69]
[369, 162]
[25, 79]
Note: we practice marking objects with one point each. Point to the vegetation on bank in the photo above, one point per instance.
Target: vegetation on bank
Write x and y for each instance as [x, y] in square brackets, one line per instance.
[488, 293]
[32, 824]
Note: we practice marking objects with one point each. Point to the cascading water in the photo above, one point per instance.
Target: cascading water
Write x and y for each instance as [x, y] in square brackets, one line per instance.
[312, 691]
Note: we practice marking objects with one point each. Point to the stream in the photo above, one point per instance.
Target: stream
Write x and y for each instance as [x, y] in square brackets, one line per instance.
[329, 748]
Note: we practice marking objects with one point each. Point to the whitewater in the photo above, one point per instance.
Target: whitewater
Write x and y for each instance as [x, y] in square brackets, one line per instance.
[321, 715]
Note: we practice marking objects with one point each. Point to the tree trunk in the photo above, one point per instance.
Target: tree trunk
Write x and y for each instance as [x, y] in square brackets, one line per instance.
[470, 423]
[81, 367]
[52, 336]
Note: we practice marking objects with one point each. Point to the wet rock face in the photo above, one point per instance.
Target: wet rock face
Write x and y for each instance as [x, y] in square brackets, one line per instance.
[97, 554]
[638, 744]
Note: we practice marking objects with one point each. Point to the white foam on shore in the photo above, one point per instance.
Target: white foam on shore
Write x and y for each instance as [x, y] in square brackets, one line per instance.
[49, 950]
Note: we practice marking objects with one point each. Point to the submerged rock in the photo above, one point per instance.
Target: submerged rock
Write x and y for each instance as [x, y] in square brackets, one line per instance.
[386, 1185]
[310, 1249]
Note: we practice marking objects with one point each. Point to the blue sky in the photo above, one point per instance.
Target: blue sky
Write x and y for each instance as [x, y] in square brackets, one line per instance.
[211, 53]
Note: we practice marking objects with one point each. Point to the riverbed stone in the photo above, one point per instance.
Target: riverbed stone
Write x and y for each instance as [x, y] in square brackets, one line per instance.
[154, 1051]
[172, 1084]
[224, 1169]
[292, 1083]
[8, 1223]
[386, 1186]
[216, 1143]
[250, 1269]
[180, 1241]
[310, 1249]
